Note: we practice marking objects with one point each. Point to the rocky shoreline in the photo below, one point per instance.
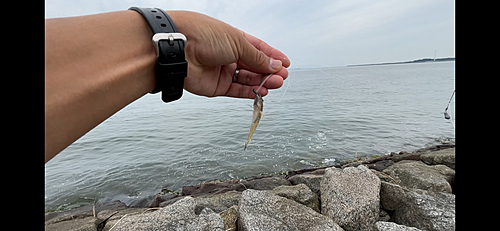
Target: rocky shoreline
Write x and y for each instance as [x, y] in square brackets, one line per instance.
[401, 191]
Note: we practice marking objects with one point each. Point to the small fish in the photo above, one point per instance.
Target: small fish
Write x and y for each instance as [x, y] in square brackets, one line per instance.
[258, 105]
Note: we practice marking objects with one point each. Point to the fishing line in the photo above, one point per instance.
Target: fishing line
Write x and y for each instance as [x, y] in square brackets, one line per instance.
[286, 89]
[264, 82]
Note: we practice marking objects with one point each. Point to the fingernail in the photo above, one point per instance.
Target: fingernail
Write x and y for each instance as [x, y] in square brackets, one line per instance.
[275, 64]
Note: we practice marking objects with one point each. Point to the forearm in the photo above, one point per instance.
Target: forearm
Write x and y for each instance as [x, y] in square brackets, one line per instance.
[95, 65]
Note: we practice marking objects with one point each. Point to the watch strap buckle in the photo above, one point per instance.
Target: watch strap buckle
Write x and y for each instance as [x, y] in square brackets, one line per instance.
[170, 37]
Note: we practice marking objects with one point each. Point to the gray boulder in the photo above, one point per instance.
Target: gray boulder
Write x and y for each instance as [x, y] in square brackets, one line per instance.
[217, 202]
[391, 226]
[351, 197]
[178, 216]
[417, 175]
[262, 210]
[299, 193]
[427, 210]
[230, 216]
[444, 157]
[391, 195]
[312, 181]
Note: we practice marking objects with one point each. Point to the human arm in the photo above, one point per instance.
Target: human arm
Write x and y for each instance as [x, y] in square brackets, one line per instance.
[97, 64]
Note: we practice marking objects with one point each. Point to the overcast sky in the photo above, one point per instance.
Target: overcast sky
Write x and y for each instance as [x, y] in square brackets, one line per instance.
[313, 33]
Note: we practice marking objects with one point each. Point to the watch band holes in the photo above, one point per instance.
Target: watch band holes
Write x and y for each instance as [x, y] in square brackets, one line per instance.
[163, 25]
[158, 17]
[154, 11]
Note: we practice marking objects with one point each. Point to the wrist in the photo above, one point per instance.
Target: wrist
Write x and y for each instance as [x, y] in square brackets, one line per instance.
[183, 22]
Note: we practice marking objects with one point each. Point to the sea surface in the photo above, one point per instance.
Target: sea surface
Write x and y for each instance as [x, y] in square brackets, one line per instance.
[319, 117]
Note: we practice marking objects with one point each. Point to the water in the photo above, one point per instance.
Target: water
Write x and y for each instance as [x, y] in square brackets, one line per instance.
[325, 116]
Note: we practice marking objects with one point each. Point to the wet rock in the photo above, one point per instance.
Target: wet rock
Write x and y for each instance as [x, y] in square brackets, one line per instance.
[351, 197]
[178, 216]
[299, 193]
[444, 157]
[380, 165]
[262, 210]
[427, 210]
[158, 198]
[213, 187]
[406, 156]
[309, 171]
[266, 183]
[416, 174]
[391, 226]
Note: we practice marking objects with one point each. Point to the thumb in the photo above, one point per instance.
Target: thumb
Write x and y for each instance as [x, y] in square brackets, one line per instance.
[255, 60]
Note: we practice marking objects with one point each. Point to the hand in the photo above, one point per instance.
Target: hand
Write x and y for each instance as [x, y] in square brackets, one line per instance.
[215, 49]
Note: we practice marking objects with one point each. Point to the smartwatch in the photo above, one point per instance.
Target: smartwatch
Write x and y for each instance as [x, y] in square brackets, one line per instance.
[171, 66]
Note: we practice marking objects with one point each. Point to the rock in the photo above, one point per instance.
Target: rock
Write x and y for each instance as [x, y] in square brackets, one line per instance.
[82, 212]
[383, 216]
[299, 193]
[310, 171]
[391, 195]
[83, 224]
[213, 187]
[217, 202]
[351, 197]
[391, 226]
[88, 223]
[444, 157]
[384, 177]
[416, 174]
[380, 165]
[159, 198]
[427, 210]
[266, 183]
[312, 181]
[178, 216]
[406, 156]
[230, 216]
[262, 210]
[170, 201]
[116, 217]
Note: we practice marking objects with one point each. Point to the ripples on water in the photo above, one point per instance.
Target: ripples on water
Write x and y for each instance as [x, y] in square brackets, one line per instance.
[325, 116]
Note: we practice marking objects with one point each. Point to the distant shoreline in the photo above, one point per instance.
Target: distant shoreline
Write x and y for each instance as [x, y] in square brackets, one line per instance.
[404, 62]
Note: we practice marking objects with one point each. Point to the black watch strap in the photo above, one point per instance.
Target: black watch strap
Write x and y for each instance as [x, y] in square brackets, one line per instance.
[171, 67]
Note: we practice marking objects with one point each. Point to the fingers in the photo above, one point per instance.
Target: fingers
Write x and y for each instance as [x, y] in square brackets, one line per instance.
[238, 90]
[258, 56]
[267, 50]
[248, 80]
[246, 77]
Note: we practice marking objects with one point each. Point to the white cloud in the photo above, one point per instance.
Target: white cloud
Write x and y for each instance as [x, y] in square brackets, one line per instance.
[324, 33]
